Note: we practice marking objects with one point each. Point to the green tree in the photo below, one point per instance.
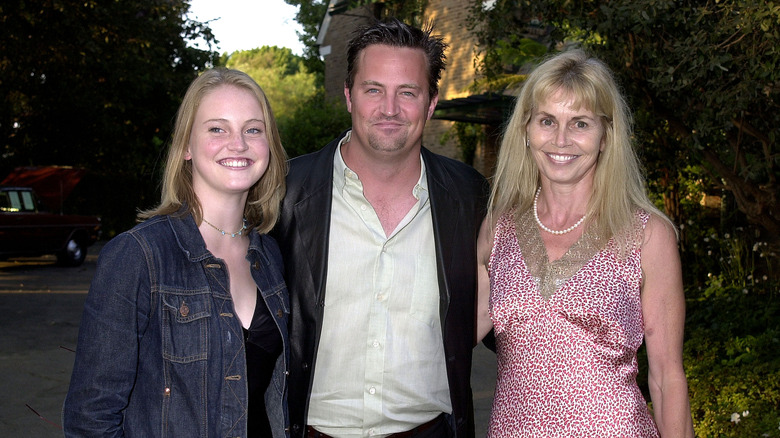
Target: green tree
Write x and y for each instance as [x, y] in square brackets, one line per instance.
[312, 12]
[307, 121]
[314, 124]
[96, 84]
[702, 77]
[282, 75]
[310, 15]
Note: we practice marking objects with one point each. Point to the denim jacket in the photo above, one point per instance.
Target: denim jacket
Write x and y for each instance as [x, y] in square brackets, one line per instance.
[160, 350]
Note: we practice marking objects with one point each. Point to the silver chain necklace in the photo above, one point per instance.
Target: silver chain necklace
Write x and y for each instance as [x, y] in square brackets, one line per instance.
[541, 225]
[225, 233]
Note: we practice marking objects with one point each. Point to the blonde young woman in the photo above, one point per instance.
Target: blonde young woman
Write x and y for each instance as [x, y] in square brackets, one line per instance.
[577, 267]
[184, 330]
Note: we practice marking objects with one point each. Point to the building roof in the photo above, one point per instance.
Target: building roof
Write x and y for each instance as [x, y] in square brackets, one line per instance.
[486, 109]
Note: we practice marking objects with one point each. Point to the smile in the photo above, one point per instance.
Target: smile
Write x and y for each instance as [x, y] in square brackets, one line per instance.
[561, 158]
[234, 163]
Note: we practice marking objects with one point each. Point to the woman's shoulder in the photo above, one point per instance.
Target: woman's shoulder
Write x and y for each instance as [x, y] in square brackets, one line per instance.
[142, 234]
[659, 230]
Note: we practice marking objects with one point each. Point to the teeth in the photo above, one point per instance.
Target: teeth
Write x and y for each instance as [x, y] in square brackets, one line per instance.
[234, 163]
[562, 157]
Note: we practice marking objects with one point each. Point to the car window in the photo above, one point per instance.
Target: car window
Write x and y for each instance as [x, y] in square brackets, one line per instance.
[16, 203]
[29, 203]
[5, 203]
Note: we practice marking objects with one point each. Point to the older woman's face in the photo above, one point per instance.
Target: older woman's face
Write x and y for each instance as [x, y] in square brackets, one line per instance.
[565, 141]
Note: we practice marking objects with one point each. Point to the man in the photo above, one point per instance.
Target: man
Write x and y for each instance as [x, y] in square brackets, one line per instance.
[378, 236]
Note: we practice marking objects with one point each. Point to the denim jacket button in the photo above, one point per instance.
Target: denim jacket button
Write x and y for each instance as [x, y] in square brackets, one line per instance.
[167, 391]
[184, 309]
[279, 313]
[256, 265]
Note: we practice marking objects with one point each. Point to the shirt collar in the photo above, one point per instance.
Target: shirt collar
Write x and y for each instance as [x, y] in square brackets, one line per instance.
[342, 173]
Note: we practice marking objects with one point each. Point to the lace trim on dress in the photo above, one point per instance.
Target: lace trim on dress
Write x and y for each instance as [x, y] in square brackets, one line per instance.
[551, 276]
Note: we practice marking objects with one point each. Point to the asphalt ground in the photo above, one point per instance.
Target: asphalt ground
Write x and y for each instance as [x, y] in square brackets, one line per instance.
[41, 305]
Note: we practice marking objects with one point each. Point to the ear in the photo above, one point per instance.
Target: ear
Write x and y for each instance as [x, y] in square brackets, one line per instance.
[188, 154]
[432, 105]
[348, 96]
[608, 128]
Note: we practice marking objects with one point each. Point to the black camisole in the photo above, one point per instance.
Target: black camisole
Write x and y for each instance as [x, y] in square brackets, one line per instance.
[263, 344]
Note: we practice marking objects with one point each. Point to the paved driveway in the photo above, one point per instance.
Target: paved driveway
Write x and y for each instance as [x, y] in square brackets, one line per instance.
[41, 305]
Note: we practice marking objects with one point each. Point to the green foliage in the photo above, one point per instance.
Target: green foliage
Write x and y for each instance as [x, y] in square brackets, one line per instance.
[281, 74]
[732, 333]
[467, 136]
[518, 51]
[309, 16]
[731, 360]
[702, 78]
[307, 121]
[314, 124]
[311, 13]
[96, 84]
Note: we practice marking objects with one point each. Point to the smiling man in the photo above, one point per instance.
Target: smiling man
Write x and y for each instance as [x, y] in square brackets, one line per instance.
[378, 235]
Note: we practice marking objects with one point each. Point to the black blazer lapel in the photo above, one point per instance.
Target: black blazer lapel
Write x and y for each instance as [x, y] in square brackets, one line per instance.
[446, 211]
[311, 212]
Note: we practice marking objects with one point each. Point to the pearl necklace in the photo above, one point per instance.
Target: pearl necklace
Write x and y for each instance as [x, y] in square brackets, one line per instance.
[541, 225]
[224, 233]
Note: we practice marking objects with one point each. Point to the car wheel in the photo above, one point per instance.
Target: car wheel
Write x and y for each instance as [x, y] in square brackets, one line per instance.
[74, 253]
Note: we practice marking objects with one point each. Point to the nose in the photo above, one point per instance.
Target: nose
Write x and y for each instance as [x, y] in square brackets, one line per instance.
[390, 105]
[237, 142]
[562, 136]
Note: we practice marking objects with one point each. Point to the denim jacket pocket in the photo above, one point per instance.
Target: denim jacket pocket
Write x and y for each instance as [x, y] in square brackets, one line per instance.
[185, 319]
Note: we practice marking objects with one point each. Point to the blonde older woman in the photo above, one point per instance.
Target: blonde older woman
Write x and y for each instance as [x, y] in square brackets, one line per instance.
[577, 267]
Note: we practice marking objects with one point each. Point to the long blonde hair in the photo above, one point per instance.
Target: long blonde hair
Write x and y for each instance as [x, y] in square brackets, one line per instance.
[264, 200]
[619, 185]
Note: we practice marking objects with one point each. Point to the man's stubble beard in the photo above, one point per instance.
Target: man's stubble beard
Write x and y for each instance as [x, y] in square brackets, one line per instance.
[380, 143]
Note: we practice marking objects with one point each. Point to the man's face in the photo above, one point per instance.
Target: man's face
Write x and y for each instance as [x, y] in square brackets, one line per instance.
[389, 100]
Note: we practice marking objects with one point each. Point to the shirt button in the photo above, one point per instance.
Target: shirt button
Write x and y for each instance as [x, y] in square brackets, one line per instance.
[363, 207]
[372, 390]
[375, 344]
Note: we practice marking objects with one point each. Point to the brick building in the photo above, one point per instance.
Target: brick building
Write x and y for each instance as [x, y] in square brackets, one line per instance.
[456, 103]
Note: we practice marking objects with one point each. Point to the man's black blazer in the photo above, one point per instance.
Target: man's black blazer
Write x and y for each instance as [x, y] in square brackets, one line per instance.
[458, 196]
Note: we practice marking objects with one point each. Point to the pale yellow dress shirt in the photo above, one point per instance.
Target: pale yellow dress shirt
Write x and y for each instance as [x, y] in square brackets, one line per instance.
[380, 366]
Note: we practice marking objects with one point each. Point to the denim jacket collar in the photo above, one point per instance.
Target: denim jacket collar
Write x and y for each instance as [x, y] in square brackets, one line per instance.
[191, 241]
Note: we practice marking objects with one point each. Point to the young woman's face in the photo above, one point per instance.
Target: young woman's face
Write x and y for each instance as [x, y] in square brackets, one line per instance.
[228, 145]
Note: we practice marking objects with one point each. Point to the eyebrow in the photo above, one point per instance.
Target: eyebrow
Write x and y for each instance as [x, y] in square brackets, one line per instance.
[221, 120]
[379, 84]
[577, 117]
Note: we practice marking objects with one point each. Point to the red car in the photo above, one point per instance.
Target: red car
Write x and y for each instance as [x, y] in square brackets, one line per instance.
[27, 228]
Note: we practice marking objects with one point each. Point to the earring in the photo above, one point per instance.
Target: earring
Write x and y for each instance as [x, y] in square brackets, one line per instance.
[527, 144]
